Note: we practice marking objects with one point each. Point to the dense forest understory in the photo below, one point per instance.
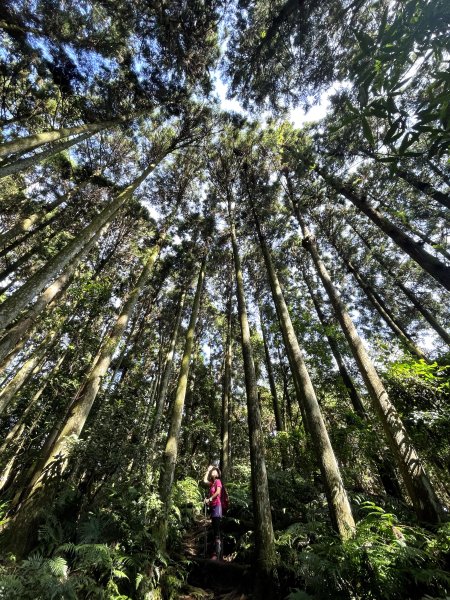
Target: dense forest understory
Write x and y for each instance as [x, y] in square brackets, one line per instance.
[180, 283]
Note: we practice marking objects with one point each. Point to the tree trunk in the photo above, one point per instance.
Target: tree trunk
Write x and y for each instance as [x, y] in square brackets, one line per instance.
[55, 291]
[442, 333]
[14, 304]
[355, 399]
[167, 372]
[428, 262]
[81, 406]
[425, 501]
[338, 504]
[36, 220]
[264, 536]
[30, 366]
[384, 467]
[21, 430]
[170, 454]
[273, 392]
[25, 163]
[29, 142]
[423, 186]
[226, 389]
[379, 304]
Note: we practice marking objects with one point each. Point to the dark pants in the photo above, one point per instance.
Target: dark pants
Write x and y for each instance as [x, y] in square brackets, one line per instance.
[216, 518]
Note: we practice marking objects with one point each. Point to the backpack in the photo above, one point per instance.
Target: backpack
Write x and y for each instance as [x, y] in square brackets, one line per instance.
[224, 500]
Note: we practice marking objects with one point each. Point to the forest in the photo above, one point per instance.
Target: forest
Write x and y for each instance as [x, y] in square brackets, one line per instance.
[187, 287]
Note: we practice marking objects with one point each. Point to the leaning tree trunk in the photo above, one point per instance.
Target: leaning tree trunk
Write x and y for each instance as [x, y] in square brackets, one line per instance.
[264, 536]
[226, 390]
[26, 163]
[28, 321]
[26, 223]
[431, 320]
[427, 261]
[21, 432]
[422, 494]
[167, 372]
[355, 399]
[379, 304]
[81, 406]
[30, 366]
[29, 142]
[423, 186]
[170, 454]
[338, 504]
[382, 463]
[14, 304]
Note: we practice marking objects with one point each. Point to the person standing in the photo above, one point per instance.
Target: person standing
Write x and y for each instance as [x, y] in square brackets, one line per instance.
[212, 478]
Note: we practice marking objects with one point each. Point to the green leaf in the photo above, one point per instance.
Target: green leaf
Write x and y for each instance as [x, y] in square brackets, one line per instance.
[367, 131]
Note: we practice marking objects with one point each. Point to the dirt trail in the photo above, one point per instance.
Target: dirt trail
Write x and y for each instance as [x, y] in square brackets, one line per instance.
[209, 579]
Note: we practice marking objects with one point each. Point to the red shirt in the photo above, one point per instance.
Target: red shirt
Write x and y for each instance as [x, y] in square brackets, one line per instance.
[213, 489]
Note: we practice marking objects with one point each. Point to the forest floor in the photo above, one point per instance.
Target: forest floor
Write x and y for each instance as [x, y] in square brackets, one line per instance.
[224, 579]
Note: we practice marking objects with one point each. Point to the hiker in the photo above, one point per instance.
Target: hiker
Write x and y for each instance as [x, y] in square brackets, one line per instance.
[213, 502]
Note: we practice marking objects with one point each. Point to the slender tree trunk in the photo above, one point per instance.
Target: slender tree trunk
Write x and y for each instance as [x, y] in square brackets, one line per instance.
[55, 291]
[29, 142]
[355, 399]
[22, 260]
[30, 366]
[338, 504]
[226, 389]
[385, 312]
[423, 186]
[264, 536]
[11, 308]
[20, 432]
[167, 372]
[419, 489]
[431, 320]
[379, 304]
[383, 465]
[36, 221]
[25, 163]
[427, 261]
[279, 422]
[170, 454]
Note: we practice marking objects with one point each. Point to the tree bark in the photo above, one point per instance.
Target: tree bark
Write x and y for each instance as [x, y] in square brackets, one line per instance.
[264, 536]
[384, 467]
[30, 366]
[25, 163]
[29, 142]
[355, 399]
[428, 262]
[338, 504]
[279, 422]
[422, 494]
[36, 221]
[423, 186]
[226, 389]
[379, 304]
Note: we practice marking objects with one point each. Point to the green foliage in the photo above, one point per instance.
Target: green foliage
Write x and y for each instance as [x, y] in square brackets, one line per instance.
[432, 373]
[385, 560]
